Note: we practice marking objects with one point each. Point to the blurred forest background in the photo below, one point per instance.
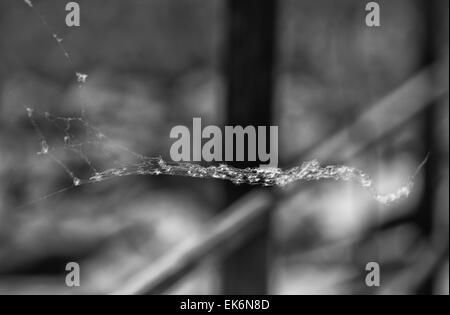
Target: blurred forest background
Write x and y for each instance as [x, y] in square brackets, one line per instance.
[156, 64]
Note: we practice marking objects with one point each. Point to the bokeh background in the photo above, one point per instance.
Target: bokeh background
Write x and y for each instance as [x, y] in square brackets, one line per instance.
[156, 64]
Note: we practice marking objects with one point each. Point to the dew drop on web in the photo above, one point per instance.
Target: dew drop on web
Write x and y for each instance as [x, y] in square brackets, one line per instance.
[44, 147]
[57, 38]
[76, 181]
[81, 77]
[30, 112]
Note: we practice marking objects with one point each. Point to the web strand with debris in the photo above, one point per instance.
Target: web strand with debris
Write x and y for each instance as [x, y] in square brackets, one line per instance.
[139, 164]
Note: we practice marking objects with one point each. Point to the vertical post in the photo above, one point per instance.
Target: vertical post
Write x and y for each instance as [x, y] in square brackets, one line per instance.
[250, 46]
[424, 213]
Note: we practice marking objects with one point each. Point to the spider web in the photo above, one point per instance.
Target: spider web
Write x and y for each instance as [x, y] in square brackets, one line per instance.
[77, 136]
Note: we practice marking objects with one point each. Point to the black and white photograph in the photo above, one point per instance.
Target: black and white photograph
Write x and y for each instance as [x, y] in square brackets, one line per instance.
[224, 152]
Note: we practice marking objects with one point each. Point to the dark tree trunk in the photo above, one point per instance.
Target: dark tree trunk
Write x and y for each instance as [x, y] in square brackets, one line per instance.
[424, 214]
[249, 66]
